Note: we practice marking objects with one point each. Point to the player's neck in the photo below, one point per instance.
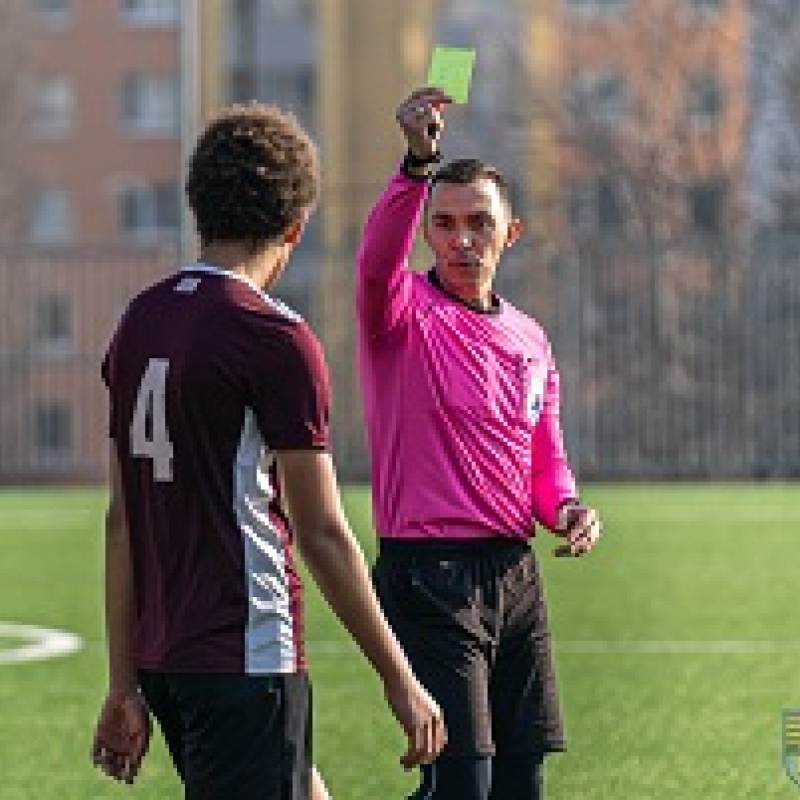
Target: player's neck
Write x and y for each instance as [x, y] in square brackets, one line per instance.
[260, 266]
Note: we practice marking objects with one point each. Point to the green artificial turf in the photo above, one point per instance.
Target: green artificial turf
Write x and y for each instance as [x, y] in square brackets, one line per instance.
[677, 647]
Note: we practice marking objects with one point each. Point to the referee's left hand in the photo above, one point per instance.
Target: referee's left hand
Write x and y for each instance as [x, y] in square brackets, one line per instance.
[581, 527]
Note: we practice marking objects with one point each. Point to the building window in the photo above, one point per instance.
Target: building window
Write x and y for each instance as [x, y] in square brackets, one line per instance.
[53, 325]
[705, 207]
[149, 105]
[52, 431]
[149, 212]
[705, 8]
[581, 210]
[788, 213]
[704, 99]
[243, 86]
[242, 32]
[150, 12]
[598, 99]
[55, 13]
[53, 107]
[610, 216]
[292, 89]
[290, 9]
[596, 207]
[50, 217]
[596, 8]
[462, 11]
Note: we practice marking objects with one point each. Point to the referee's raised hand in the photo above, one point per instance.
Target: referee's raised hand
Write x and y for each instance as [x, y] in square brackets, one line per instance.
[420, 118]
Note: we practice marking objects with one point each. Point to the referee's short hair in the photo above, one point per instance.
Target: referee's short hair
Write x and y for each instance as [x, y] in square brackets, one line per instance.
[469, 170]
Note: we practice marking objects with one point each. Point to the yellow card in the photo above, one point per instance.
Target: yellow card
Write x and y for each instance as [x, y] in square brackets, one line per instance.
[451, 71]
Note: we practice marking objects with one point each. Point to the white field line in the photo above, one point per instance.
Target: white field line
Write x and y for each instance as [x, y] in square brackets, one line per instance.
[680, 647]
[38, 643]
[625, 647]
[44, 643]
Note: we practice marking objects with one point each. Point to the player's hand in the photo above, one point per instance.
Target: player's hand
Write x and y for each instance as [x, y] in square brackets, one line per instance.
[580, 526]
[420, 118]
[122, 736]
[422, 720]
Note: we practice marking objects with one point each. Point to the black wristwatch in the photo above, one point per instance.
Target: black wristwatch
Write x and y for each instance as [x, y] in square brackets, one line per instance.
[411, 161]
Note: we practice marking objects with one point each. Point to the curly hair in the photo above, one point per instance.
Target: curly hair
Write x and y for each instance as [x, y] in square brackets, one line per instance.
[253, 173]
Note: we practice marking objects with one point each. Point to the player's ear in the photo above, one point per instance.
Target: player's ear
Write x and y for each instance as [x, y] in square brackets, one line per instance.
[294, 232]
[514, 231]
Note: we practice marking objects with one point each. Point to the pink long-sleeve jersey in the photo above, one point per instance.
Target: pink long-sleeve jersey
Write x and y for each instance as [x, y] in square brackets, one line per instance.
[462, 407]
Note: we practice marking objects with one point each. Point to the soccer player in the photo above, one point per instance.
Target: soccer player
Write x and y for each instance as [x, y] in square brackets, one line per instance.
[462, 410]
[219, 426]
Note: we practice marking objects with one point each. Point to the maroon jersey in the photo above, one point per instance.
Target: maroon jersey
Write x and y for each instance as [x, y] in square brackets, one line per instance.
[208, 377]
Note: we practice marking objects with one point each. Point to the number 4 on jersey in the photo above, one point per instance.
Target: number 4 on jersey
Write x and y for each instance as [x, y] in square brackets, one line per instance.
[152, 441]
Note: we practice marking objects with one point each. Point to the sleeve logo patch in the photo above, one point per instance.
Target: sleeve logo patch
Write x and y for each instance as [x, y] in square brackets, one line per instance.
[534, 397]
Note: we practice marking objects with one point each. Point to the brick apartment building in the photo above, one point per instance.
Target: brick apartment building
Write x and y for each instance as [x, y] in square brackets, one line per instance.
[95, 166]
[99, 161]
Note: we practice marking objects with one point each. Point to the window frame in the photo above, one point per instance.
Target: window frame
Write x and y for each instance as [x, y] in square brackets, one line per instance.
[697, 96]
[40, 229]
[595, 9]
[150, 14]
[52, 120]
[53, 431]
[712, 186]
[145, 95]
[148, 206]
[584, 89]
[56, 19]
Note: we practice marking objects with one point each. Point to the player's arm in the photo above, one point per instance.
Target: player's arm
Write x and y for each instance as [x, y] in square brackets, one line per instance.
[337, 565]
[123, 729]
[383, 283]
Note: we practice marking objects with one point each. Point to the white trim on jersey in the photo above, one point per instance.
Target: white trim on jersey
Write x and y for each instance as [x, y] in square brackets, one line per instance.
[210, 269]
[270, 637]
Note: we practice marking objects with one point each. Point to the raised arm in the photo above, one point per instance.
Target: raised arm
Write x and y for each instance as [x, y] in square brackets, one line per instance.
[383, 280]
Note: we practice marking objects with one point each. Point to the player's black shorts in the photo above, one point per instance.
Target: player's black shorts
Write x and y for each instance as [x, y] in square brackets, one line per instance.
[471, 616]
[235, 736]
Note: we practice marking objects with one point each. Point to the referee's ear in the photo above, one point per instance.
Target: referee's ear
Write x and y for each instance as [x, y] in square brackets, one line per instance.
[513, 231]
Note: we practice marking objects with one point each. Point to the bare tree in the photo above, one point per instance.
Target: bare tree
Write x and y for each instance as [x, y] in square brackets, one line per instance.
[774, 131]
[648, 110]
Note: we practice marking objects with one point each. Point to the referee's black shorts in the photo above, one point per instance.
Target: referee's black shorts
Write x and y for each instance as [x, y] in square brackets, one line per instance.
[471, 616]
[246, 737]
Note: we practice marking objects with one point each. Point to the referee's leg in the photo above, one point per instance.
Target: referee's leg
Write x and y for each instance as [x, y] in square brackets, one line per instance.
[518, 777]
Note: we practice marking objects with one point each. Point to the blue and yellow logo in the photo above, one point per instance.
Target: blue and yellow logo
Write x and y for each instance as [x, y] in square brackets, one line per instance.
[791, 743]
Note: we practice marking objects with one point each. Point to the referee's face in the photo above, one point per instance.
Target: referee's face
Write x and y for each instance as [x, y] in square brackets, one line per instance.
[468, 226]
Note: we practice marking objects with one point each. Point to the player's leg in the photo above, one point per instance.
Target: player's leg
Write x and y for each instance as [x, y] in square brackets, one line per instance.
[245, 736]
[456, 778]
[526, 719]
[155, 689]
[518, 777]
